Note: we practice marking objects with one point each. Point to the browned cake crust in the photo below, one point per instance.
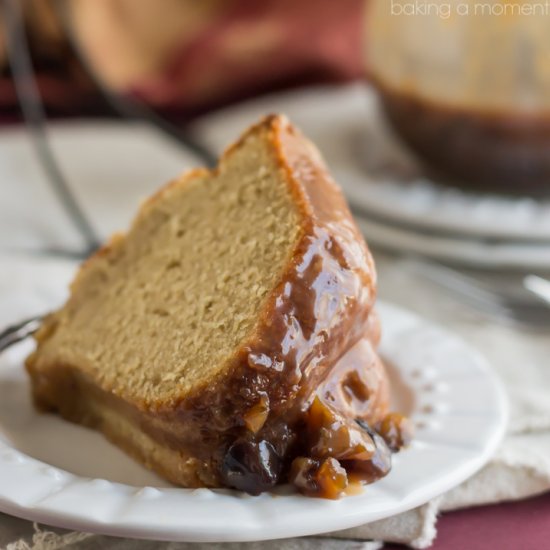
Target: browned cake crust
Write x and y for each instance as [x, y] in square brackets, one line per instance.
[315, 315]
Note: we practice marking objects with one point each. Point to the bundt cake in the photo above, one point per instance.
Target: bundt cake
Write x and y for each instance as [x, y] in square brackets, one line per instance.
[228, 338]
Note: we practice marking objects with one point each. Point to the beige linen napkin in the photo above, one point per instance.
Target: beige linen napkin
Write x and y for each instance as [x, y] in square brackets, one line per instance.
[520, 468]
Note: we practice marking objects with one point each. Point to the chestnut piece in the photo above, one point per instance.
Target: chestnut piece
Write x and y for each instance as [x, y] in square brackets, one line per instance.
[251, 466]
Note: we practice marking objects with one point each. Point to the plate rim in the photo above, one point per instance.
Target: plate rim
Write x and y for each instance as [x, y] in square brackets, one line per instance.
[460, 251]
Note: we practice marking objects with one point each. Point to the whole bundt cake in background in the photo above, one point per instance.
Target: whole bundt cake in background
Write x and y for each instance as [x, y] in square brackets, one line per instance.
[228, 339]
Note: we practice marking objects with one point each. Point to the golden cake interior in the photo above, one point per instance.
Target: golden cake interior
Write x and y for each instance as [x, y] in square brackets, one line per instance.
[164, 307]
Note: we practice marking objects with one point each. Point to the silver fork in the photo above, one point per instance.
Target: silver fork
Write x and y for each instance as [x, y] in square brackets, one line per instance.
[17, 333]
[538, 286]
[505, 306]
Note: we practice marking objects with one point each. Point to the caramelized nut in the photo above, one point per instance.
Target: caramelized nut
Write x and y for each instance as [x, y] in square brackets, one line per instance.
[302, 474]
[255, 418]
[380, 463]
[319, 478]
[397, 431]
[333, 435]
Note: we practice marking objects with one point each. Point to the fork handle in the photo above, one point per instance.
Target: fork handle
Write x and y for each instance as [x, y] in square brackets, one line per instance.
[17, 333]
[538, 286]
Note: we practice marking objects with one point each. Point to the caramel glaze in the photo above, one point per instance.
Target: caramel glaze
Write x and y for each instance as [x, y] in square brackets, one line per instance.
[357, 385]
[246, 428]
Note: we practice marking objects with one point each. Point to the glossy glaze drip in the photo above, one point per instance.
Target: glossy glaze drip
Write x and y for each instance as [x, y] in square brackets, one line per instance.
[357, 385]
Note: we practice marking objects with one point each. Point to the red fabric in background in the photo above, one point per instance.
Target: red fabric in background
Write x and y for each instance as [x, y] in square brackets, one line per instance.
[521, 525]
[248, 47]
[317, 41]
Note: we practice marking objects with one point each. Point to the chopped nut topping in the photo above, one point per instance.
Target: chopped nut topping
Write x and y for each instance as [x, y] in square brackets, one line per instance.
[319, 478]
[333, 435]
[397, 431]
[255, 418]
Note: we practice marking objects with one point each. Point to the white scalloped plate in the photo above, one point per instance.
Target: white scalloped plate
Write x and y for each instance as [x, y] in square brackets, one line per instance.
[64, 475]
[480, 253]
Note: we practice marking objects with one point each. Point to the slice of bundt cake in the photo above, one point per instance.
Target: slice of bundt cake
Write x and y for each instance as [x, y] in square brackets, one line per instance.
[200, 341]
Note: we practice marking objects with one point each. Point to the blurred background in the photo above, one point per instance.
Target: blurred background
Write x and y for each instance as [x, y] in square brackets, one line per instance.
[434, 116]
[179, 56]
